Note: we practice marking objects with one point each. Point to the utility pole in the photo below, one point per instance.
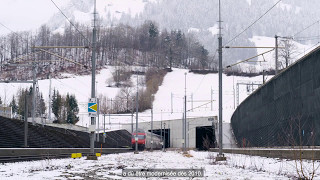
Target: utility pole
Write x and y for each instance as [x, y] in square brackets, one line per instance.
[234, 98]
[211, 99]
[93, 80]
[49, 115]
[26, 120]
[161, 130]
[164, 137]
[185, 112]
[104, 127]
[188, 134]
[137, 109]
[98, 134]
[151, 126]
[182, 138]
[109, 121]
[34, 92]
[191, 101]
[220, 156]
[132, 117]
[276, 49]
[171, 103]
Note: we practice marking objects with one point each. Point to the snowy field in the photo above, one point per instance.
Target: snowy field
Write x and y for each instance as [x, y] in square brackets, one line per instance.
[110, 166]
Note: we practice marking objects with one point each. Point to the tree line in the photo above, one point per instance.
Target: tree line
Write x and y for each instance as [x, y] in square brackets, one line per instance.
[145, 45]
[64, 108]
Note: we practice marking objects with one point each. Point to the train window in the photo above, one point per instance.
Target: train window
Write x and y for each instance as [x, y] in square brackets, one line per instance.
[141, 136]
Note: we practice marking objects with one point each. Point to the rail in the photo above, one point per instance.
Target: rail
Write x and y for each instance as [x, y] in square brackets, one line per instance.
[27, 154]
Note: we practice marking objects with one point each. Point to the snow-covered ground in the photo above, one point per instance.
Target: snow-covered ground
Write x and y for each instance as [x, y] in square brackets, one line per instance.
[110, 166]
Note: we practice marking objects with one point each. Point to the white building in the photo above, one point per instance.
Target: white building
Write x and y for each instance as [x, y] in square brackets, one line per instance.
[198, 129]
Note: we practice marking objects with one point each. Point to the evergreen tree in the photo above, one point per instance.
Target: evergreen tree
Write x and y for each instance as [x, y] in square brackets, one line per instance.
[42, 109]
[203, 57]
[72, 109]
[0, 100]
[57, 105]
[21, 102]
[153, 36]
[153, 30]
[14, 106]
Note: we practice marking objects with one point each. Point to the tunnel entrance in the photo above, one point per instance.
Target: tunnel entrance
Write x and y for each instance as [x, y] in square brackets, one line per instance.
[205, 137]
[165, 133]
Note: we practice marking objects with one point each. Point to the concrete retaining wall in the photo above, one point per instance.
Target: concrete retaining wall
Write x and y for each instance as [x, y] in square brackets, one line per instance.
[285, 111]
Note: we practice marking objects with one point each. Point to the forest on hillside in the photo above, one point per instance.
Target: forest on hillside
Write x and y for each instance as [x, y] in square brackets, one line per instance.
[120, 45]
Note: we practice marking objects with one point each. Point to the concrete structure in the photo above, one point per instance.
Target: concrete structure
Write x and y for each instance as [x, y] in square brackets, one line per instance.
[197, 129]
[38, 120]
[285, 111]
[69, 126]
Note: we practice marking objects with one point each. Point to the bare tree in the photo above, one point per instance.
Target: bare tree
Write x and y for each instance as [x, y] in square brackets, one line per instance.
[287, 53]
[104, 109]
[297, 135]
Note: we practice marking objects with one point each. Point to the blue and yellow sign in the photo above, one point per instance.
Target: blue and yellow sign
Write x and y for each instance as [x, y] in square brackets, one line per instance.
[92, 107]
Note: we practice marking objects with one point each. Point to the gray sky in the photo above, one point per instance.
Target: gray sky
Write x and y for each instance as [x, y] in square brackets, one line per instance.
[20, 15]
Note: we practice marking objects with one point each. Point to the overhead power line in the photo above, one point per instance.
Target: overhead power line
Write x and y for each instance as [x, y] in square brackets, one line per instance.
[306, 28]
[246, 60]
[8, 28]
[253, 23]
[304, 52]
[70, 22]
[66, 59]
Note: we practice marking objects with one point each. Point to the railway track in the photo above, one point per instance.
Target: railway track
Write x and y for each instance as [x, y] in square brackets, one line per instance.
[30, 154]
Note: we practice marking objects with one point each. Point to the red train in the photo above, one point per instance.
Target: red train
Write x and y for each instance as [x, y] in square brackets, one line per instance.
[144, 140]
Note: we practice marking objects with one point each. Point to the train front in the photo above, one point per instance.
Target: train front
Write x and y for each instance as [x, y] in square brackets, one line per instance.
[140, 138]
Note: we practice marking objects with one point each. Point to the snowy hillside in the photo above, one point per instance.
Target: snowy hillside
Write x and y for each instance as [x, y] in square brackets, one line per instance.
[108, 11]
[198, 94]
[267, 61]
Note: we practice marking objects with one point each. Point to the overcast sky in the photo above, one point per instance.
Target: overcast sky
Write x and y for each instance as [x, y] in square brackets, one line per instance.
[20, 15]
